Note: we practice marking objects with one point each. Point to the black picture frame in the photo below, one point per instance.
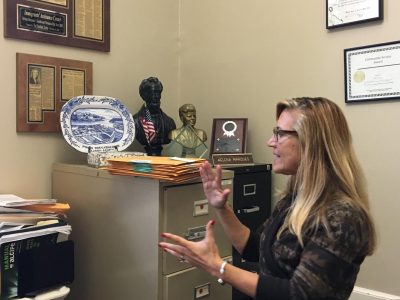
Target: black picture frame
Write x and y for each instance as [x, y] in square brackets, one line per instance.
[372, 72]
[229, 136]
[341, 13]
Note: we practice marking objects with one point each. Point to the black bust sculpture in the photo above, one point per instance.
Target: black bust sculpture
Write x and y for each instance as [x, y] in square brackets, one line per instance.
[151, 123]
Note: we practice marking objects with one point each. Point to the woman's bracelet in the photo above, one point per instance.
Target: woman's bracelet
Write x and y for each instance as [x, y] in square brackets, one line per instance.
[222, 271]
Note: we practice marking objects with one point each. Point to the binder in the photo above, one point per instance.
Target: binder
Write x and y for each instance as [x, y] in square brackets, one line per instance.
[45, 267]
[16, 246]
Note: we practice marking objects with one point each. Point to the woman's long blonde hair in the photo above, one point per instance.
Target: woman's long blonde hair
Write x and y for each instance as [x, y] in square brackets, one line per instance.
[328, 169]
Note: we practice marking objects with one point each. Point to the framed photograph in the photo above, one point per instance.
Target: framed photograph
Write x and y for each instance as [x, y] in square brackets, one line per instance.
[75, 23]
[44, 84]
[372, 72]
[349, 12]
[229, 136]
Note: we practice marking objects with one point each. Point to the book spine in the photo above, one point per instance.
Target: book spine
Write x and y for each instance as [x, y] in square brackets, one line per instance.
[9, 254]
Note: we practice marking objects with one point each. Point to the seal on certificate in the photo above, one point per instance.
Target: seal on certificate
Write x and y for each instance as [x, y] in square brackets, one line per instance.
[359, 76]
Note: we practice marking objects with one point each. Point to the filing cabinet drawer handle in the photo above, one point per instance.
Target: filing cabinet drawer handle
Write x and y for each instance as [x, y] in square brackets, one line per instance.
[195, 233]
[249, 189]
[250, 210]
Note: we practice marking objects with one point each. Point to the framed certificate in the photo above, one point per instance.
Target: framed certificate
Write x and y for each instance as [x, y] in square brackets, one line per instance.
[73, 23]
[372, 72]
[229, 136]
[348, 12]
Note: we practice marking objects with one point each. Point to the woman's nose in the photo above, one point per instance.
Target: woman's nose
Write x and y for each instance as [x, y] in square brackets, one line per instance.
[271, 142]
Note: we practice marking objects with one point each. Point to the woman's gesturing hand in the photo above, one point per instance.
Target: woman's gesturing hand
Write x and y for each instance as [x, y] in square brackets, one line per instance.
[216, 196]
[203, 254]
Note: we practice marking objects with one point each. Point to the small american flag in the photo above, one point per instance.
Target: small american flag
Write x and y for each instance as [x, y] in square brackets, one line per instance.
[148, 126]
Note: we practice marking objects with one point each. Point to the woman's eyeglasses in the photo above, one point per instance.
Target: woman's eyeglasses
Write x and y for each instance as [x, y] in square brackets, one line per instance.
[279, 133]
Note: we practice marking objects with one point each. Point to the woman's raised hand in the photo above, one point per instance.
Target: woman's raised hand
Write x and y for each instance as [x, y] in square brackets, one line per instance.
[216, 196]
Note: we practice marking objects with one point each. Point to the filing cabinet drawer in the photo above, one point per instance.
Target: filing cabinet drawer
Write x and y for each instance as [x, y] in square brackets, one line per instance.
[252, 198]
[194, 284]
[186, 213]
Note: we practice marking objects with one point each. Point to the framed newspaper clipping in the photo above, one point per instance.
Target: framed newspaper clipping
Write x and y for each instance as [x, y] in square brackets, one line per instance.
[75, 23]
[44, 84]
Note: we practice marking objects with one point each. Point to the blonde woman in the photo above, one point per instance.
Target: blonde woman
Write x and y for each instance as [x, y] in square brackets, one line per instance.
[319, 233]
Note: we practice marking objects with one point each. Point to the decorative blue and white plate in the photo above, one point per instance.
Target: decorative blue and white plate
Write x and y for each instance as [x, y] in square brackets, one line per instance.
[97, 124]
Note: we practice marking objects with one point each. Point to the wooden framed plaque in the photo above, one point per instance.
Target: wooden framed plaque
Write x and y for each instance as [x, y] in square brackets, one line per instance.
[44, 84]
[75, 23]
[229, 136]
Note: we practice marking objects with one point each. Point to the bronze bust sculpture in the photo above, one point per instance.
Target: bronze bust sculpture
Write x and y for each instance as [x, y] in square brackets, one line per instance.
[151, 123]
[188, 136]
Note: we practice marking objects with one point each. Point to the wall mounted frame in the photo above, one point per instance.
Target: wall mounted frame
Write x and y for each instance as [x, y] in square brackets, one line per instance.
[372, 72]
[341, 13]
[74, 23]
[44, 84]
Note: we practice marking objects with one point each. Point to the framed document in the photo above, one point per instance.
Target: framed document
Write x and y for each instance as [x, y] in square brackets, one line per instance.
[72, 83]
[55, 2]
[348, 12]
[75, 23]
[43, 85]
[372, 72]
[229, 136]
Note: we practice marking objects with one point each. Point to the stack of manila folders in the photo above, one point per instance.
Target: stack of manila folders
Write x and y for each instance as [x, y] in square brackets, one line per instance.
[174, 169]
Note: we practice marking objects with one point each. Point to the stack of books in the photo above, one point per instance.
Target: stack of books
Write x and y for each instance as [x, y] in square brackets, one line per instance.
[35, 253]
[174, 169]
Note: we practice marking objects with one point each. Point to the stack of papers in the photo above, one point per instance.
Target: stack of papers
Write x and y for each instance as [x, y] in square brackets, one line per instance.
[8, 200]
[20, 211]
[174, 169]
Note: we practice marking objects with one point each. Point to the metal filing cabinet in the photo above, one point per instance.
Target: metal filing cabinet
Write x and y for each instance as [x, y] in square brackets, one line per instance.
[117, 222]
[252, 206]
